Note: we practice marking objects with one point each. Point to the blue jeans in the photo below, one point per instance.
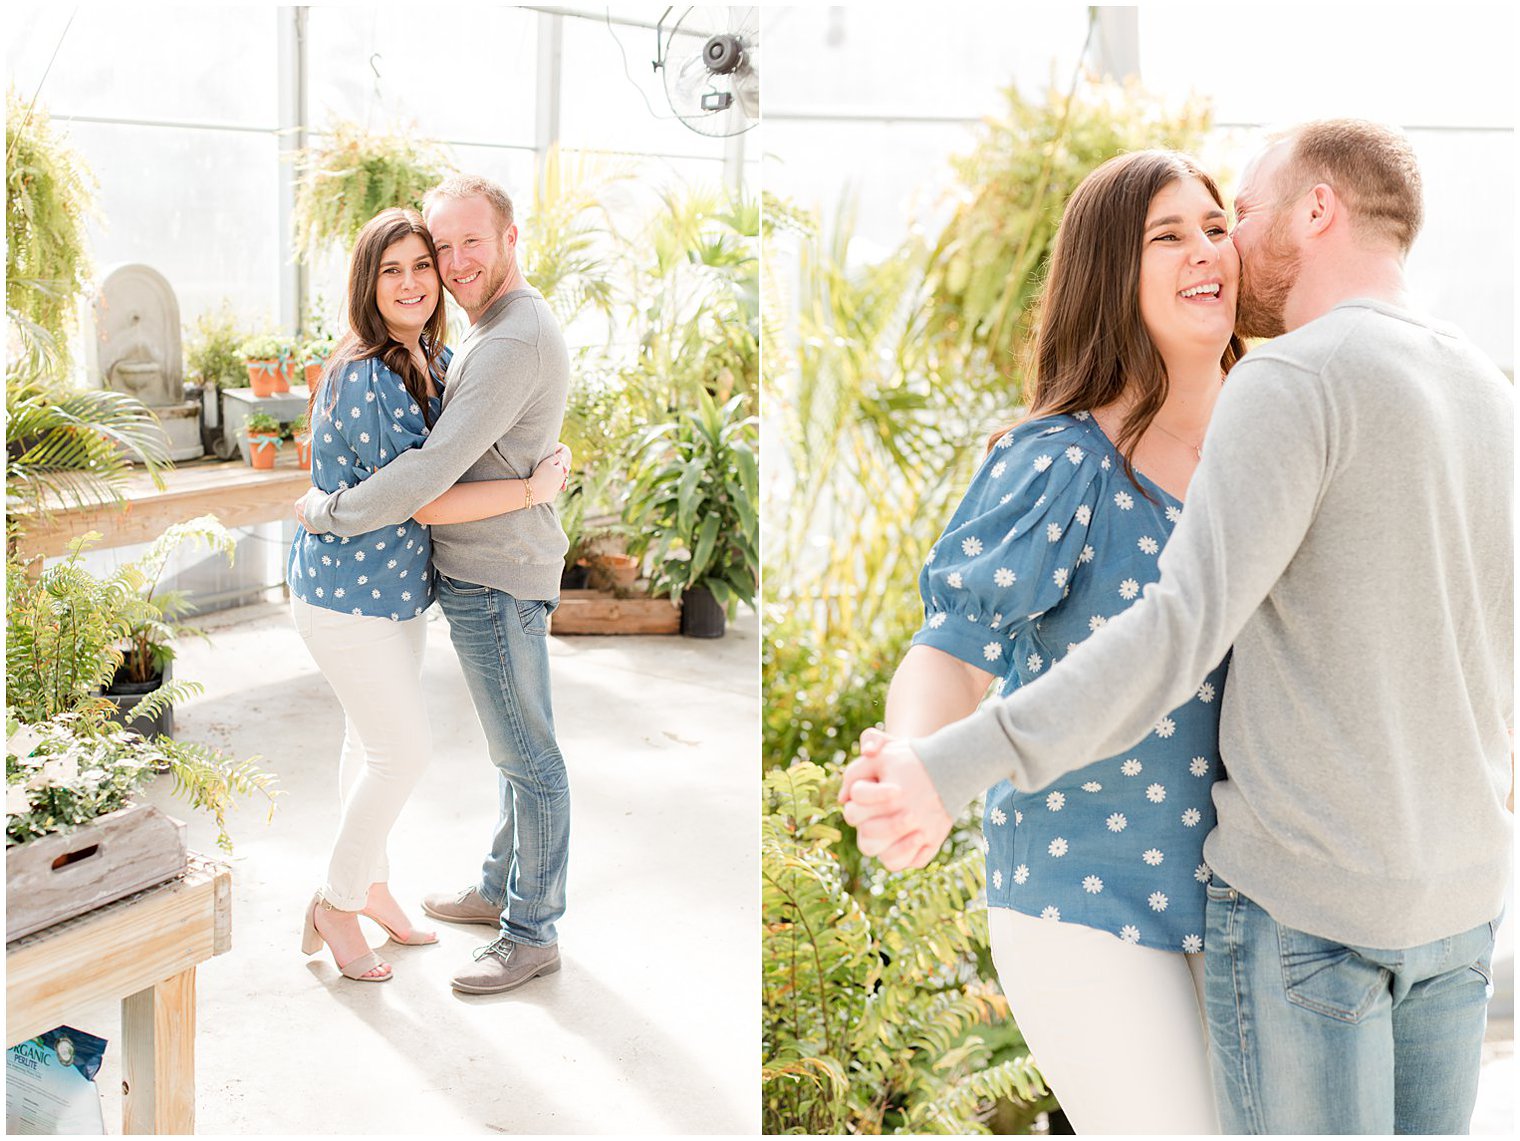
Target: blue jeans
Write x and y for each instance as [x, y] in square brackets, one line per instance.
[1308, 1035]
[502, 643]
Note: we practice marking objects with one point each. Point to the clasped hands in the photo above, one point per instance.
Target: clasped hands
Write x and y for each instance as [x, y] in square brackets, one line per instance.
[892, 803]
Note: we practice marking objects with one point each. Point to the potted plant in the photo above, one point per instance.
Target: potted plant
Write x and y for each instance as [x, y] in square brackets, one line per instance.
[353, 174]
[65, 633]
[299, 433]
[262, 431]
[314, 354]
[270, 360]
[214, 361]
[141, 687]
[693, 508]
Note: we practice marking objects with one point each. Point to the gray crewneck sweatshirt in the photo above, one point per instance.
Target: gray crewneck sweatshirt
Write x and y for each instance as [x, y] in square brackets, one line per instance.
[1349, 531]
[503, 405]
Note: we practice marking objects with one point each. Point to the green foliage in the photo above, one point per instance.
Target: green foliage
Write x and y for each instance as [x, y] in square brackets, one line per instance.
[49, 195]
[71, 447]
[268, 347]
[214, 354]
[153, 616]
[686, 285]
[67, 634]
[63, 635]
[261, 423]
[870, 1009]
[694, 502]
[354, 174]
[697, 298]
[569, 255]
[316, 350]
[985, 272]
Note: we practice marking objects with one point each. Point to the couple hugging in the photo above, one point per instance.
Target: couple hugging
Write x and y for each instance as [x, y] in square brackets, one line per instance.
[1248, 837]
[418, 455]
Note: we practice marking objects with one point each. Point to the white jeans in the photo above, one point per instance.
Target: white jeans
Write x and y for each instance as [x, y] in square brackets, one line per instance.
[1116, 1029]
[374, 665]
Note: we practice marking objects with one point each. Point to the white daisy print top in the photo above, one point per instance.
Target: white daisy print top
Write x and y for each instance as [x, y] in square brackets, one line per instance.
[1051, 542]
[385, 573]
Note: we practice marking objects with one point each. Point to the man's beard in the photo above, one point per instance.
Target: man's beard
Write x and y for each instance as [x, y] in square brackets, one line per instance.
[1265, 286]
[491, 276]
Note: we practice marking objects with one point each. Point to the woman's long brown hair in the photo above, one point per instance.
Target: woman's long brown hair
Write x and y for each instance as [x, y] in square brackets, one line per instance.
[367, 335]
[1091, 345]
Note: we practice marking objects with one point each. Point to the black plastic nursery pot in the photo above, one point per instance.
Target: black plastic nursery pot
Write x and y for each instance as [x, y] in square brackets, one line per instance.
[127, 695]
[702, 615]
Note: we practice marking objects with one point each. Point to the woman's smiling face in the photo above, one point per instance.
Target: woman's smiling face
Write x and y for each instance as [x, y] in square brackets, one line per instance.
[407, 290]
[1189, 270]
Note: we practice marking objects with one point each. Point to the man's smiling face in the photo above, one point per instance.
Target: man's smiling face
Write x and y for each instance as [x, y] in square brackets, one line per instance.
[1269, 260]
[474, 255]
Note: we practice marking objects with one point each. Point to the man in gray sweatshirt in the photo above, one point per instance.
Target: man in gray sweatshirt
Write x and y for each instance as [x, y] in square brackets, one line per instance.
[497, 578]
[1349, 532]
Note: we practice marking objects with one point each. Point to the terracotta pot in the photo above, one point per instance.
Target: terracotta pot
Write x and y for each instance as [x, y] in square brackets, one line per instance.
[264, 377]
[303, 451]
[314, 373]
[616, 571]
[262, 448]
[284, 376]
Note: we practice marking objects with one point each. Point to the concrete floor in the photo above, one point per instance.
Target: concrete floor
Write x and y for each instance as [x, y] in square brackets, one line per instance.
[652, 1024]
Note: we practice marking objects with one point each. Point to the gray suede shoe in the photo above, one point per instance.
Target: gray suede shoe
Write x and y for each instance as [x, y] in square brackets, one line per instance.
[504, 965]
[467, 906]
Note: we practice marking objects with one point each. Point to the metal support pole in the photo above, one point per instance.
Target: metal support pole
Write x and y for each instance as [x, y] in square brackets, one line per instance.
[551, 50]
[733, 162]
[292, 137]
[1116, 47]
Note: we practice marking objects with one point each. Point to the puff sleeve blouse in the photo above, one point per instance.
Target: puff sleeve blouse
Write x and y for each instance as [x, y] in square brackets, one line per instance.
[1051, 540]
[364, 416]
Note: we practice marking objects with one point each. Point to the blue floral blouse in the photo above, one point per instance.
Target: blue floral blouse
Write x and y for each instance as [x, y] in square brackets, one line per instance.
[1050, 542]
[385, 573]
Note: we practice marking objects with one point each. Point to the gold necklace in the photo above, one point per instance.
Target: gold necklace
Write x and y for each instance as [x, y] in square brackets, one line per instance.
[1197, 448]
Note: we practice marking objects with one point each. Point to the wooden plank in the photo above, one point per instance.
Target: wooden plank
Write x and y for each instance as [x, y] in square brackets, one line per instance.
[232, 491]
[601, 612]
[53, 878]
[111, 952]
[158, 1057]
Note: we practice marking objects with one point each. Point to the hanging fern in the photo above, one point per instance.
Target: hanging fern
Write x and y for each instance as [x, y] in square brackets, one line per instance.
[353, 175]
[49, 195]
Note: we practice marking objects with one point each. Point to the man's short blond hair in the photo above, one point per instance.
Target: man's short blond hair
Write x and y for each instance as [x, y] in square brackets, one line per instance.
[1371, 167]
[458, 186]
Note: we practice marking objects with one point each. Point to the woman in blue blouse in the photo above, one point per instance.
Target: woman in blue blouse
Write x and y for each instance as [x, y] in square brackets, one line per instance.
[1095, 886]
[358, 602]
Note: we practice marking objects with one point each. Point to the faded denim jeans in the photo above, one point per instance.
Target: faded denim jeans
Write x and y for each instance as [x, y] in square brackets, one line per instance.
[502, 643]
[1308, 1035]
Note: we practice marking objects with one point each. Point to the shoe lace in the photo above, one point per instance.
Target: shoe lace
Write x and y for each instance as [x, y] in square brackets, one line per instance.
[502, 949]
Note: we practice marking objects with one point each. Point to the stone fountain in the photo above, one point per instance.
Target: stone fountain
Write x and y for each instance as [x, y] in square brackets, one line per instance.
[135, 348]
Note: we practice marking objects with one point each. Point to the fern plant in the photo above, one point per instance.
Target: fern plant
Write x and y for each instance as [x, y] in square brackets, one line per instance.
[351, 176]
[66, 636]
[871, 1000]
[49, 197]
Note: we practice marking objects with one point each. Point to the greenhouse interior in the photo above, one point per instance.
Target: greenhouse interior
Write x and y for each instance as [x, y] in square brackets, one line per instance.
[679, 376]
[186, 185]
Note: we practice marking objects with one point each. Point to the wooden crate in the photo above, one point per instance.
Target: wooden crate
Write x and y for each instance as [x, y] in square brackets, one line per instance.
[601, 612]
[57, 877]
